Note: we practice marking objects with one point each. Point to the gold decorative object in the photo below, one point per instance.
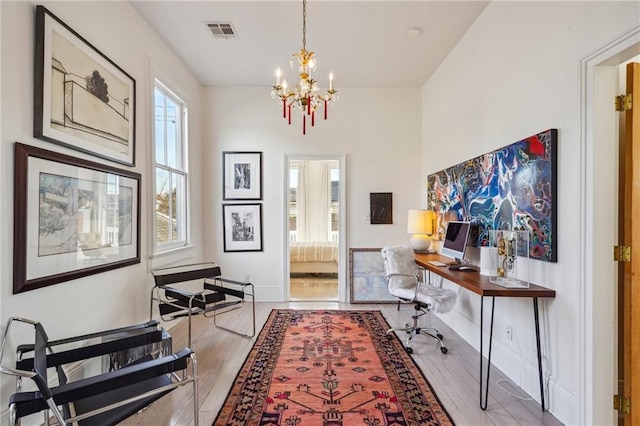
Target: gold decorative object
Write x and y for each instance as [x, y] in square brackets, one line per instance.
[512, 257]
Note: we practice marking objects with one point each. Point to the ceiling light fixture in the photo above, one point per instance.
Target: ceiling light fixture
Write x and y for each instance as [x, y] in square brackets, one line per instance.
[305, 96]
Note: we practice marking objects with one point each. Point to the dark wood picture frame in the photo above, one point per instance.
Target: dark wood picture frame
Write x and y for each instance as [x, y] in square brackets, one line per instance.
[72, 218]
[242, 227]
[82, 99]
[242, 175]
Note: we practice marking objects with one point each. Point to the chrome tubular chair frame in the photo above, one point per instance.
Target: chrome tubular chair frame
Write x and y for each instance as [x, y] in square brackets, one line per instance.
[218, 295]
[103, 399]
[248, 290]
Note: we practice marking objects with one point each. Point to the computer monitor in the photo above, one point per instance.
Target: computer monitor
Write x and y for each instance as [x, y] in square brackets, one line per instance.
[455, 240]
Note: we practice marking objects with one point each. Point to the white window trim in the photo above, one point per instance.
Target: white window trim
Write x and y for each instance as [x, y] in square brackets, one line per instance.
[157, 78]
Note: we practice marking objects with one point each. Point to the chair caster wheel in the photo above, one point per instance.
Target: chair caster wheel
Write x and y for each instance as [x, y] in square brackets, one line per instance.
[409, 350]
[440, 336]
[444, 350]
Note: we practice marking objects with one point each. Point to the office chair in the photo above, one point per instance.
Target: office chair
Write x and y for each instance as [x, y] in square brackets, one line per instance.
[404, 283]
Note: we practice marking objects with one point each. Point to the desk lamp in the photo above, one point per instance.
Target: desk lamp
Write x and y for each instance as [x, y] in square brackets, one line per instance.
[421, 226]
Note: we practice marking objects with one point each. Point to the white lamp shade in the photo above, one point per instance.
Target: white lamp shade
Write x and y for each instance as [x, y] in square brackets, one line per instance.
[420, 222]
[421, 225]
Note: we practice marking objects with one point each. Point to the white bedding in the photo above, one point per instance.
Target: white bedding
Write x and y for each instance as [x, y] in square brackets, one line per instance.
[313, 251]
[313, 257]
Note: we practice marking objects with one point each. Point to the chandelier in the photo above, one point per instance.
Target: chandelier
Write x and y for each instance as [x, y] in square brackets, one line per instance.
[305, 96]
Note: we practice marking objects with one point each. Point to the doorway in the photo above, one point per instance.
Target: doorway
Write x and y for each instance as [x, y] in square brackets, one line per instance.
[628, 297]
[315, 228]
[599, 341]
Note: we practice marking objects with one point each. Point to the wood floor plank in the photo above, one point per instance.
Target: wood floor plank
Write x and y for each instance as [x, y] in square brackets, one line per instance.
[453, 376]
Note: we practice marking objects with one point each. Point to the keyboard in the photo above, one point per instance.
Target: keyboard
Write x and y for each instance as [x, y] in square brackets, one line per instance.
[437, 263]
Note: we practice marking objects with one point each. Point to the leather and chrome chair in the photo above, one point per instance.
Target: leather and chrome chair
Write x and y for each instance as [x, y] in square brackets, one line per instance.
[176, 295]
[102, 399]
[403, 282]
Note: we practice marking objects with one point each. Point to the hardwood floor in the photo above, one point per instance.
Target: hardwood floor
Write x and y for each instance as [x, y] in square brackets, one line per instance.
[314, 287]
[454, 376]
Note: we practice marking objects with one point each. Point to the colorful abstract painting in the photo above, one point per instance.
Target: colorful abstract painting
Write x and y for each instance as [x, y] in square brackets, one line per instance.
[513, 187]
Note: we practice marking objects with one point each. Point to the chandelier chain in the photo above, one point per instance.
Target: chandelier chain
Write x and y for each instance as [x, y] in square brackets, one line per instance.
[304, 24]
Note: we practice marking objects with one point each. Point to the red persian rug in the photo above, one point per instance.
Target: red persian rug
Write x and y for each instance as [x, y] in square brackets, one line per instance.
[330, 368]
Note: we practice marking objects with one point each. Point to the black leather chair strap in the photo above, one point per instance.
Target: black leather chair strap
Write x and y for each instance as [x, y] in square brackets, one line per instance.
[92, 351]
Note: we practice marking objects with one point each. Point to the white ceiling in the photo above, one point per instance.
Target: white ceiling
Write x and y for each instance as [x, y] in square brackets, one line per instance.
[364, 43]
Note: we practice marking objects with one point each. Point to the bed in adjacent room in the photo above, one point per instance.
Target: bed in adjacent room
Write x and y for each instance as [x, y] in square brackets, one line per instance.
[313, 257]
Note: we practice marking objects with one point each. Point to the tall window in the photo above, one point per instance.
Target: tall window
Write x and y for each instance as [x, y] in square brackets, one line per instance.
[170, 170]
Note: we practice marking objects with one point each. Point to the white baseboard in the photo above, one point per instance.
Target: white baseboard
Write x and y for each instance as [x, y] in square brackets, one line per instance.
[270, 294]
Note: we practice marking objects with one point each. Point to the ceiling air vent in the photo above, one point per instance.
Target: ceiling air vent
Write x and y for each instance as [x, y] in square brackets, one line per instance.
[222, 29]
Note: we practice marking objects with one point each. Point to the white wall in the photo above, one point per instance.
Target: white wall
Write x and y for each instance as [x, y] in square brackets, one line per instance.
[517, 72]
[121, 296]
[2, 263]
[377, 129]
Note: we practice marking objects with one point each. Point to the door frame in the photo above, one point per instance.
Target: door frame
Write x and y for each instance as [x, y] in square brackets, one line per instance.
[342, 223]
[597, 375]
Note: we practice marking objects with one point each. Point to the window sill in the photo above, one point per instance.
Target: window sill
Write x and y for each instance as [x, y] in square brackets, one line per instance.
[163, 253]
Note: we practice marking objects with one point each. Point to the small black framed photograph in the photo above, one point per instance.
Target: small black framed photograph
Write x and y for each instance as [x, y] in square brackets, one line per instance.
[381, 208]
[242, 175]
[242, 227]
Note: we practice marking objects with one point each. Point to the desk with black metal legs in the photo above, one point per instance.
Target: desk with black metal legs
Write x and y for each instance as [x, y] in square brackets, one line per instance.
[481, 285]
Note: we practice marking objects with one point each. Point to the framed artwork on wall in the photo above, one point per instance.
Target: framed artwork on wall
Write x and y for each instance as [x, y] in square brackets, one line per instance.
[83, 100]
[242, 175]
[367, 282]
[242, 227]
[511, 188]
[381, 208]
[73, 218]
